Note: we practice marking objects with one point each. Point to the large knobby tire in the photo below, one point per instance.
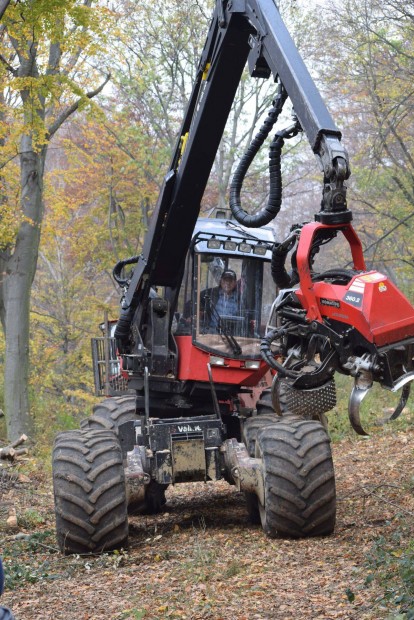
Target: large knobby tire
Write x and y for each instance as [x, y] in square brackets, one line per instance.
[299, 479]
[253, 426]
[110, 413]
[155, 499]
[264, 404]
[89, 490]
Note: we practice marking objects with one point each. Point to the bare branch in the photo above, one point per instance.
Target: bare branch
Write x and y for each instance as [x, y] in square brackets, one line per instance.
[389, 232]
[9, 452]
[71, 109]
[8, 65]
[387, 501]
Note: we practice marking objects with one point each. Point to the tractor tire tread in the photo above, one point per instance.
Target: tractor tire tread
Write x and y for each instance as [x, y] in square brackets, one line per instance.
[89, 490]
[111, 412]
[300, 498]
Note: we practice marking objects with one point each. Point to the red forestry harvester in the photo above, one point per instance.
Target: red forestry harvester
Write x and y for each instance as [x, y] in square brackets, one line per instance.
[192, 342]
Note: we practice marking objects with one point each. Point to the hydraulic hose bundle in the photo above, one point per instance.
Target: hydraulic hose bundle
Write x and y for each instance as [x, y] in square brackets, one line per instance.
[117, 270]
[123, 326]
[268, 356]
[280, 276]
[269, 212]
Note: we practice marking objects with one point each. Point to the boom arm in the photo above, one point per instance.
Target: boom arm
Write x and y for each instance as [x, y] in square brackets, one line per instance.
[241, 31]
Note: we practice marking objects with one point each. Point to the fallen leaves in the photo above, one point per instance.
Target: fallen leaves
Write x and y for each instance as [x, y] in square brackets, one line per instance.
[203, 561]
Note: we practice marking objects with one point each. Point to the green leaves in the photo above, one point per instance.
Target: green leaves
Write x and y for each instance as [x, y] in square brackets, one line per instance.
[392, 565]
[369, 78]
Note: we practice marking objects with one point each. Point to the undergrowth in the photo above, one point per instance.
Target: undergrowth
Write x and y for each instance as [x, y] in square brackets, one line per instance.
[375, 408]
[391, 563]
[25, 560]
[30, 558]
[51, 414]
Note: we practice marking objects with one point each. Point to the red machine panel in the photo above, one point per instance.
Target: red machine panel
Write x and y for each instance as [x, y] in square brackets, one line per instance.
[371, 303]
[193, 366]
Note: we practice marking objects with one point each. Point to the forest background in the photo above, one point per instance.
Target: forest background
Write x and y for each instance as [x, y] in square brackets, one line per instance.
[92, 99]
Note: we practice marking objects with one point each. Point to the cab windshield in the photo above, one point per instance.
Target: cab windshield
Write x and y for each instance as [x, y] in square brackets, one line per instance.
[231, 301]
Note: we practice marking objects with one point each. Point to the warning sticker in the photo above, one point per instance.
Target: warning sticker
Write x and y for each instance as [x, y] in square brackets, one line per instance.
[358, 286]
[371, 277]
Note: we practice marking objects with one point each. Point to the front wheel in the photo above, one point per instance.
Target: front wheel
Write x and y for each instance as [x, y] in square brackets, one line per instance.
[90, 493]
[299, 479]
[110, 414]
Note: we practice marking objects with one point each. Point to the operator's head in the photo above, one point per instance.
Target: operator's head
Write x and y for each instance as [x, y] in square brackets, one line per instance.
[228, 280]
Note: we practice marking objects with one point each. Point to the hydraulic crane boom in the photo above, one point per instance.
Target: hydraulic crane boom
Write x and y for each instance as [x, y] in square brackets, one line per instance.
[241, 31]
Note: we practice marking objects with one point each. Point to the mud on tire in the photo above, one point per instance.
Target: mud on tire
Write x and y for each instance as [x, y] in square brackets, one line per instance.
[89, 490]
[299, 479]
[251, 428]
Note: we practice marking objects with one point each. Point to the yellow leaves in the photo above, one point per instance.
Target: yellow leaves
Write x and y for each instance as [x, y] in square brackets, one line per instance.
[9, 224]
[48, 36]
[397, 553]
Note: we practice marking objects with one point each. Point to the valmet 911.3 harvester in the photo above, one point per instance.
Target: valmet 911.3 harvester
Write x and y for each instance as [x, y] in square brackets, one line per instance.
[216, 389]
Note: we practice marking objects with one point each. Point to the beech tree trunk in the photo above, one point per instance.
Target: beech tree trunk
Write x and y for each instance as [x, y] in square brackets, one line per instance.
[20, 271]
[27, 32]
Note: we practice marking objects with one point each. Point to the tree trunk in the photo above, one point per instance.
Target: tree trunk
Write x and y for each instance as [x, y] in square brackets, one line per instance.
[20, 272]
[3, 6]
[43, 81]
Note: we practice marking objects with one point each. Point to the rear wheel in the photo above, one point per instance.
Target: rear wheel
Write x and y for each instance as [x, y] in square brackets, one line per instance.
[299, 479]
[264, 404]
[89, 490]
[110, 413]
[253, 426]
[154, 498]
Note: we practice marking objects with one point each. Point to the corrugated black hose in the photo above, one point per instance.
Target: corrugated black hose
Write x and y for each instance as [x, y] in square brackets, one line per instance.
[269, 212]
[123, 326]
[267, 355]
[262, 218]
[117, 270]
[278, 270]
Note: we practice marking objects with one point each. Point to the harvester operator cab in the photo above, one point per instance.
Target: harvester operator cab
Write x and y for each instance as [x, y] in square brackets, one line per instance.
[227, 290]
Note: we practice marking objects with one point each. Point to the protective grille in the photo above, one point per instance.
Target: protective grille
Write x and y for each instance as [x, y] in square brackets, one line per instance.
[106, 368]
[304, 403]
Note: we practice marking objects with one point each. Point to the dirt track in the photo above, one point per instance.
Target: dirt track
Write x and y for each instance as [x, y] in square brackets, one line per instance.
[202, 559]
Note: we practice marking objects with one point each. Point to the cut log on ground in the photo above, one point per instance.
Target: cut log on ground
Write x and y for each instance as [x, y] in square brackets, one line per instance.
[10, 453]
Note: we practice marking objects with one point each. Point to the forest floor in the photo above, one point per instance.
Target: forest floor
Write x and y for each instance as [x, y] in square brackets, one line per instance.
[201, 559]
